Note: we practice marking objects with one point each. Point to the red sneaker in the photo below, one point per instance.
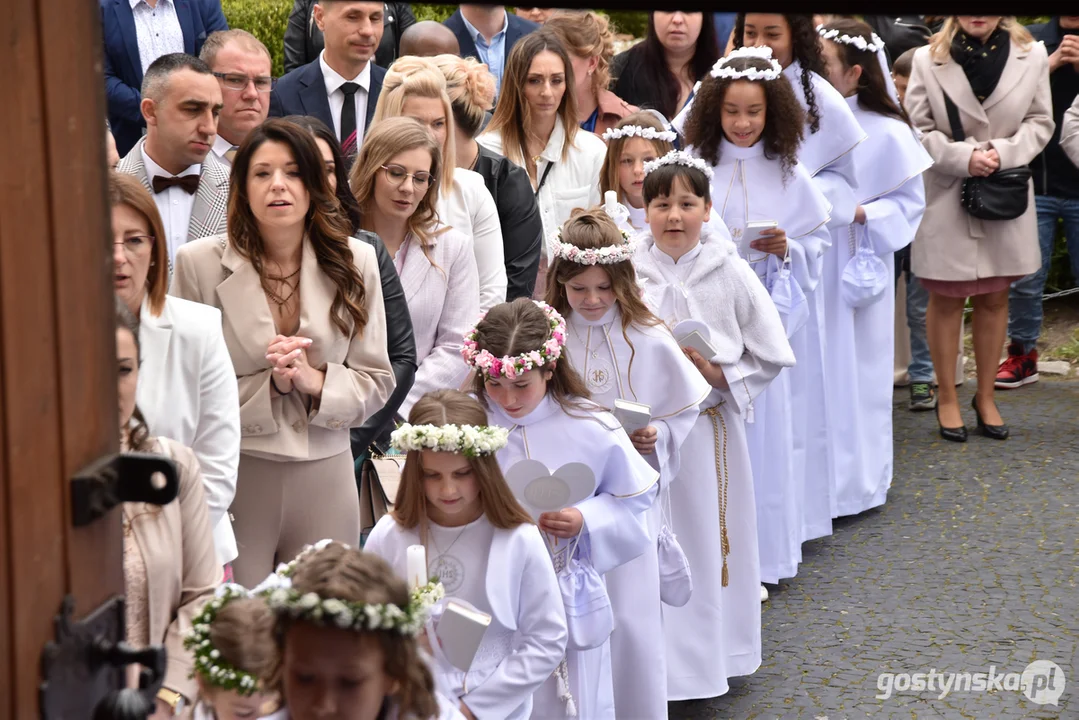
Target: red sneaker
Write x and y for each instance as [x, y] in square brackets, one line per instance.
[1018, 369]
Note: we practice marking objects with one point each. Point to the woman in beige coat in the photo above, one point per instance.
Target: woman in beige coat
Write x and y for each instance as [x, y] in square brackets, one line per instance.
[170, 565]
[998, 78]
[304, 322]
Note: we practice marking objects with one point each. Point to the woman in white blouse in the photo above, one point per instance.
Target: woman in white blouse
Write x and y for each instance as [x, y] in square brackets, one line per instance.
[535, 125]
[187, 387]
[415, 87]
[396, 180]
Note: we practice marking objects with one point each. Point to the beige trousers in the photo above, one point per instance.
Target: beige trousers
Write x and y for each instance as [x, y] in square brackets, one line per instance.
[282, 506]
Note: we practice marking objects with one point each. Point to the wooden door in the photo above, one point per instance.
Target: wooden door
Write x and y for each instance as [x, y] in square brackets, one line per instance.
[57, 336]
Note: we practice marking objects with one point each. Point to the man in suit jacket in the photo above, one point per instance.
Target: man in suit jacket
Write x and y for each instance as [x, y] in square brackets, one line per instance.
[488, 33]
[304, 41]
[180, 102]
[136, 33]
[342, 86]
[242, 66]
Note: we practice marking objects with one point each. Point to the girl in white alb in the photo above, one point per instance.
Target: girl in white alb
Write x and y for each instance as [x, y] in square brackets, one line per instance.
[531, 389]
[753, 149]
[891, 201]
[482, 546]
[435, 263]
[699, 283]
[625, 353]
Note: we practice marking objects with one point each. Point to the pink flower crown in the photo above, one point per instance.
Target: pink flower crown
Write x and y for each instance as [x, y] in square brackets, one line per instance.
[512, 366]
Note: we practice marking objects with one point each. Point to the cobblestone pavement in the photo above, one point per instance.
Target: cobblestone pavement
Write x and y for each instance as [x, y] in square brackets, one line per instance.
[973, 562]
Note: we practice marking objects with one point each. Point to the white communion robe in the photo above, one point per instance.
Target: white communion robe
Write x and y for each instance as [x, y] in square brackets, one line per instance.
[507, 574]
[717, 634]
[641, 364]
[749, 187]
[861, 342]
[828, 155]
[614, 531]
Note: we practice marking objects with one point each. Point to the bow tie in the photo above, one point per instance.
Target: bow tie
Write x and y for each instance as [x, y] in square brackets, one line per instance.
[187, 183]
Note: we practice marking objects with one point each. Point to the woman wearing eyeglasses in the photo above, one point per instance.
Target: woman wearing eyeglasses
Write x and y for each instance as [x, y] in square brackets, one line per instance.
[396, 182]
[187, 388]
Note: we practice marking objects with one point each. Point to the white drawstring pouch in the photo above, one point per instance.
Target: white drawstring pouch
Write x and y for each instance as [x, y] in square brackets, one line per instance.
[675, 578]
[589, 617]
[789, 299]
[865, 278]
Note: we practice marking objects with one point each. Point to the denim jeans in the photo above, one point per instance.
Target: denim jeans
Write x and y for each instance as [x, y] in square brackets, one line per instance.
[1025, 297]
[920, 368]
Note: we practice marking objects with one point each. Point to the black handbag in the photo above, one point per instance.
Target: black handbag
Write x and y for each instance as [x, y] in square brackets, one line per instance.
[1004, 195]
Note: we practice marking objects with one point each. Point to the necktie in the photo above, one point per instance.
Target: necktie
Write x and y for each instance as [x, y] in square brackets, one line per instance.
[187, 183]
[348, 119]
[230, 154]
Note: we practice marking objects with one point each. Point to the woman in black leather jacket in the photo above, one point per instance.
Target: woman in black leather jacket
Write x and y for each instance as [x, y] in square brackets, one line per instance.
[401, 344]
[303, 39]
[471, 89]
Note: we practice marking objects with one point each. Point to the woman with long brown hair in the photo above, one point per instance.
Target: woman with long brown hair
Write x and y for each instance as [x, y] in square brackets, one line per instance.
[302, 309]
[997, 78]
[395, 180]
[535, 125]
[482, 545]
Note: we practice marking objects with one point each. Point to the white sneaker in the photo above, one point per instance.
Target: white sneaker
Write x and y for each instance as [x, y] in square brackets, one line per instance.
[764, 594]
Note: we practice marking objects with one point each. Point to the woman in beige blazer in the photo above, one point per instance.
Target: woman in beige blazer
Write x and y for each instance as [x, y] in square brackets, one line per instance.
[301, 306]
[998, 78]
[170, 565]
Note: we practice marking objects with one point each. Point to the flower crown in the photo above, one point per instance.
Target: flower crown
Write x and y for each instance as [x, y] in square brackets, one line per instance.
[648, 133]
[610, 255]
[722, 70]
[678, 157]
[512, 366]
[857, 41]
[467, 440]
[214, 669]
[345, 614]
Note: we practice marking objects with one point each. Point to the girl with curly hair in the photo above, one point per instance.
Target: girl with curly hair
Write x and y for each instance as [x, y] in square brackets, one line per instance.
[757, 178]
[697, 282]
[891, 201]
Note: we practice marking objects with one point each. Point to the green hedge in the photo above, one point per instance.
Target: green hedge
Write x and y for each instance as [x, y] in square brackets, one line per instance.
[266, 20]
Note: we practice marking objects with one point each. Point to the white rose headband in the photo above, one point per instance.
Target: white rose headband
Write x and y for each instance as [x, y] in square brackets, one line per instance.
[467, 440]
[722, 70]
[610, 255]
[856, 41]
[213, 668]
[678, 157]
[648, 133]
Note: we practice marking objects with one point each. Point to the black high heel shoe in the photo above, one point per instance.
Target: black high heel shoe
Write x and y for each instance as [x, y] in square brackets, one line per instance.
[956, 434]
[996, 432]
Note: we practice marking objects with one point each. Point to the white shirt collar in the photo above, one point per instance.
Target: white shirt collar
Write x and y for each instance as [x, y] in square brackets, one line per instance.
[153, 168]
[553, 151]
[682, 261]
[335, 81]
[222, 146]
[139, 2]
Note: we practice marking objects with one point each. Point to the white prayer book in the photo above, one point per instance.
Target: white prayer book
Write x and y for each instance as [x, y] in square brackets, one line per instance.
[698, 342]
[460, 631]
[633, 416]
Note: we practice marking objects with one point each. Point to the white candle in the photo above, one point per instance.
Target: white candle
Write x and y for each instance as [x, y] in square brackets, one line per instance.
[610, 201]
[417, 566]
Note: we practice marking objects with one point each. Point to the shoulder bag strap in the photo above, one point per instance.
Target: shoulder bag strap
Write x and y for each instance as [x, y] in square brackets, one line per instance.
[543, 178]
[953, 119]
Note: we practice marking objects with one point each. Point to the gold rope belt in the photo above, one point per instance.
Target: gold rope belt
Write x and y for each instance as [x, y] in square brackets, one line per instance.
[722, 477]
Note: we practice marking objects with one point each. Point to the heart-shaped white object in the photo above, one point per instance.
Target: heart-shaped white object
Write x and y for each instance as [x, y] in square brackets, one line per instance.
[539, 490]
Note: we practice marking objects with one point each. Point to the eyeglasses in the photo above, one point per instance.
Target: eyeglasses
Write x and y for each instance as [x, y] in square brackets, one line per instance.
[136, 245]
[236, 81]
[397, 174]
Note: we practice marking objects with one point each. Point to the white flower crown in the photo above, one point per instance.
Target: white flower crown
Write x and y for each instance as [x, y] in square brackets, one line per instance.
[648, 133]
[214, 669]
[467, 440]
[610, 255]
[678, 157]
[721, 70]
[857, 41]
[345, 614]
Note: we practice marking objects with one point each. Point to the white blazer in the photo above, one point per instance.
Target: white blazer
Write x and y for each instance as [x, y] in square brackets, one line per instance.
[187, 392]
[470, 209]
[573, 183]
[443, 304]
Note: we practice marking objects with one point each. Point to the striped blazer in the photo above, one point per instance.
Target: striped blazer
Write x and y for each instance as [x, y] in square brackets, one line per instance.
[443, 300]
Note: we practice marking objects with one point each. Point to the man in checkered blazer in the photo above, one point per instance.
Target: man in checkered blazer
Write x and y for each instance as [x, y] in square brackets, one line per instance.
[181, 100]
